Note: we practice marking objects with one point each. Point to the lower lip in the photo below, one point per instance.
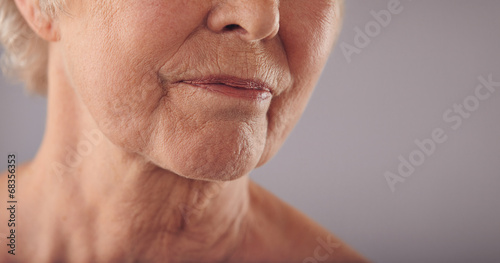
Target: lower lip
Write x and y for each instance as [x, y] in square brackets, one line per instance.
[242, 93]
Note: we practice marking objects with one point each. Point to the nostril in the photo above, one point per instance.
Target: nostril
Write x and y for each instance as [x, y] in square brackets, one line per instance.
[231, 27]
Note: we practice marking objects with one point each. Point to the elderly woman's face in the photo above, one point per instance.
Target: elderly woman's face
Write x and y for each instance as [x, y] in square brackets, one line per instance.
[208, 89]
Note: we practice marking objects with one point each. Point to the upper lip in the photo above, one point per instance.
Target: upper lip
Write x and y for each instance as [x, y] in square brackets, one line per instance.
[235, 82]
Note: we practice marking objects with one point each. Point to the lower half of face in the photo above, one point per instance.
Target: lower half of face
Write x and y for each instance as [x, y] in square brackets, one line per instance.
[191, 130]
[146, 83]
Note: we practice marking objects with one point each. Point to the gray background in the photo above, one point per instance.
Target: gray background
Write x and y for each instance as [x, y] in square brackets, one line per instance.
[362, 116]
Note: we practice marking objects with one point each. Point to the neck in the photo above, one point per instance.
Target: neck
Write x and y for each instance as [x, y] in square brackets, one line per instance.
[108, 202]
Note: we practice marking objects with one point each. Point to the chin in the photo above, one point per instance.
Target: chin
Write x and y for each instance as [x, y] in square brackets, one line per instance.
[225, 159]
[222, 167]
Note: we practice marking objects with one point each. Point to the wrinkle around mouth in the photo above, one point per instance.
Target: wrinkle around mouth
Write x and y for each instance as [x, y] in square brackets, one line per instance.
[268, 63]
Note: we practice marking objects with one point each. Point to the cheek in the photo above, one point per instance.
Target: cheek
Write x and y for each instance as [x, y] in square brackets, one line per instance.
[120, 92]
[116, 75]
[308, 43]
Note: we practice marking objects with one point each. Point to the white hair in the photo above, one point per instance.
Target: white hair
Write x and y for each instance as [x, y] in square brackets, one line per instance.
[25, 54]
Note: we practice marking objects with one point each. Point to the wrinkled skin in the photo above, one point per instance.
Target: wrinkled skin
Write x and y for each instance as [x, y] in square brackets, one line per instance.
[139, 165]
[135, 51]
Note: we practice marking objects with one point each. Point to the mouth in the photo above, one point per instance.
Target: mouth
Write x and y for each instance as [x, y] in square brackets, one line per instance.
[234, 87]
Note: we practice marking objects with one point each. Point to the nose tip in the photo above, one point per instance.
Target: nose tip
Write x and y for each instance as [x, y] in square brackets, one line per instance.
[251, 19]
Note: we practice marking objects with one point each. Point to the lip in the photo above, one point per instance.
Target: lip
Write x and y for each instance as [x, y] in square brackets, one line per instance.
[233, 86]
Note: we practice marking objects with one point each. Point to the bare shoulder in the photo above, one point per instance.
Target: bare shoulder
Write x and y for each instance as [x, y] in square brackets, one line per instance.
[281, 233]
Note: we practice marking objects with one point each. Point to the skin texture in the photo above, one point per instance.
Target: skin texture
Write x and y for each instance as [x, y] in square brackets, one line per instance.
[136, 166]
